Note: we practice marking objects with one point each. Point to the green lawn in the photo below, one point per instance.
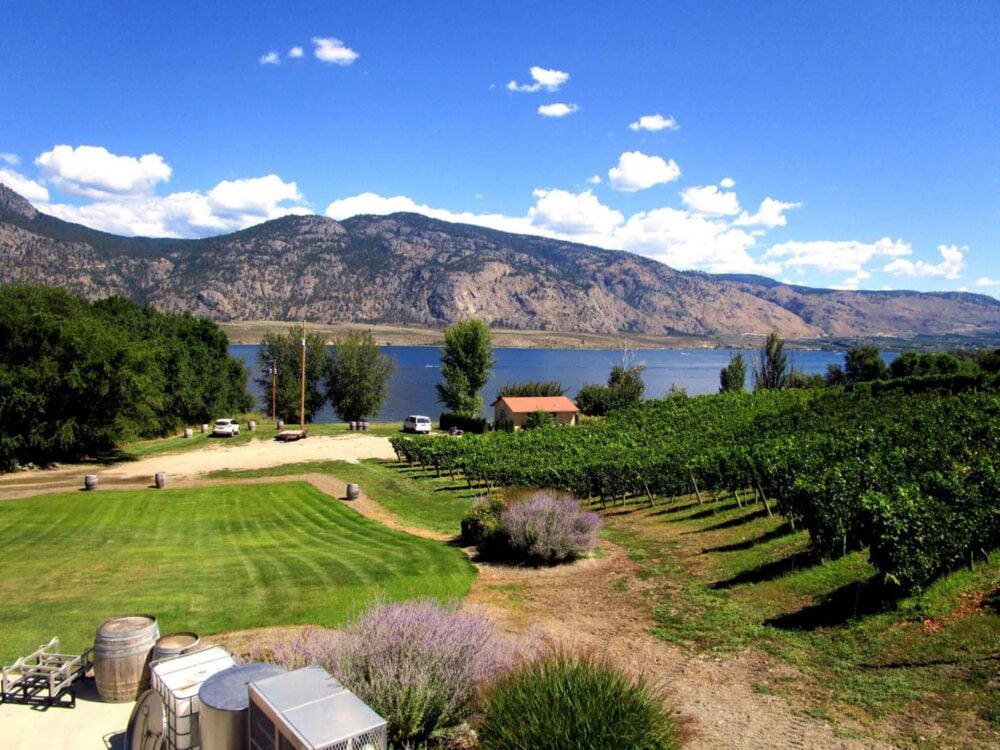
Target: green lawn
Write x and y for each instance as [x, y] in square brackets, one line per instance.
[417, 498]
[206, 559]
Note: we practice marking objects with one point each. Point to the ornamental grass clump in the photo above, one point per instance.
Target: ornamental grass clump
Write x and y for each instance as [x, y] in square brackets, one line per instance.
[420, 665]
[561, 702]
[549, 527]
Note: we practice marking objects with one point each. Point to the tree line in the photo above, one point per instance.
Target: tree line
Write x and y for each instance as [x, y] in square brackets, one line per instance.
[78, 378]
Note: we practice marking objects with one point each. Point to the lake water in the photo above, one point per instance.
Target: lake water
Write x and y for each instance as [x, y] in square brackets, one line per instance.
[417, 370]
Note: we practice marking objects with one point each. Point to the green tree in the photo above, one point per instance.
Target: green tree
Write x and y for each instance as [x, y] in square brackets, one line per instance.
[770, 371]
[285, 352]
[733, 377]
[357, 377]
[625, 388]
[539, 419]
[466, 364]
[532, 388]
[863, 364]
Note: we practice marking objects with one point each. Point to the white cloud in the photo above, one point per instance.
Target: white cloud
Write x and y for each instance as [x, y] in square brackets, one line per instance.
[229, 206]
[296, 52]
[987, 281]
[331, 50]
[950, 267]
[708, 200]
[654, 123]
[271, 58]
[576, 214]
[94, 172]
[684, 240]
[727, 182]
[637, 171]
[9, 158]
[557, 110]
[832, 256]
[771, 214]
[853, 283]
[545, 78]
[594, 179]
[34, 192]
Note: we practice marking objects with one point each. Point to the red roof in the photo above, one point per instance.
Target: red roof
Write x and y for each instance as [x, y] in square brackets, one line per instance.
[529, 404]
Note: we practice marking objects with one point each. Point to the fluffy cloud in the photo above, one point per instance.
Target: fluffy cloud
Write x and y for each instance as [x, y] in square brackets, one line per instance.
[331, 50]
[566, 213]
[296, 52]
[637, 171]
[727, 182]
[771, 214]
[836, 256]
[94, 172]
[557, 110]
[8, 158]
[950, 267]
[987, 281]
[30, 189]
[654, 123]
[852, 283]
[271, 58]
[685, 240]
[229, 206]
[709, 200]
[594, 179]
[544, 78]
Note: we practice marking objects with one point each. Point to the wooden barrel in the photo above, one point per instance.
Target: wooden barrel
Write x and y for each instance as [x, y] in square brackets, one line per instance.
[252, 426]
[280, 424]
[174, 644]
[353, 491]
[204, 429]
[121, 656]
[90, 482]
[364, 425]
[188, 432]
[160, 479]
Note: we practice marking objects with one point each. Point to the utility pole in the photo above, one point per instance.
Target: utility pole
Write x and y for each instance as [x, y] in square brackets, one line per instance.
[274, 399]
[302, 404]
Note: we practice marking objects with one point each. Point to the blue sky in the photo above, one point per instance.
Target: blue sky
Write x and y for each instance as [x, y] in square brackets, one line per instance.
[847, 144]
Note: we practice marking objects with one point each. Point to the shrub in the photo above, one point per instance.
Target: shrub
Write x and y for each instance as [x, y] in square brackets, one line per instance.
[419, 664]
[560, 702]
[538, 419]
[309, 645]
[549, 526]
[472, 425]
[481, 526]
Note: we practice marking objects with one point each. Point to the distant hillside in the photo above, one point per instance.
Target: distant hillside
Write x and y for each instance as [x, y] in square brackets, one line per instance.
[408, 269]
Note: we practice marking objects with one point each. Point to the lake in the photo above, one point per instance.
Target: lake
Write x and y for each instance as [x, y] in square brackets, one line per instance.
[417, 370]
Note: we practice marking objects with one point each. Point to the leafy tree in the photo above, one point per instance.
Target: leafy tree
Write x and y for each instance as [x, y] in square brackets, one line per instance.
[863, 364]
[835, 375]
[532, 388]
[285, 351]
[733, 377]
[358, 375]
[799, 379]
[539, 418]
[466, 363]
[770, 371]
[625, 388]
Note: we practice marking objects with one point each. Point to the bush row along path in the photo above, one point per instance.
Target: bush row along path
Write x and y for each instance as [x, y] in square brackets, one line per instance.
[597, 605]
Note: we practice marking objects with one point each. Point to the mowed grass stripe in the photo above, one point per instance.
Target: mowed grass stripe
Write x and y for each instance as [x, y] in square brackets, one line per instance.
[205, 559]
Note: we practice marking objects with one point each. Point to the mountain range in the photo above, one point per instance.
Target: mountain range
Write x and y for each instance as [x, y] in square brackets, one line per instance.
[408, 269]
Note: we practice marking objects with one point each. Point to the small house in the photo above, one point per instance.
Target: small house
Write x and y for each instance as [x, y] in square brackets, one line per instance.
[517, 408]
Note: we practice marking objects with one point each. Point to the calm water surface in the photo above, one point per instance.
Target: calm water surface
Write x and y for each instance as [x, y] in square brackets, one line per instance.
[417, 370]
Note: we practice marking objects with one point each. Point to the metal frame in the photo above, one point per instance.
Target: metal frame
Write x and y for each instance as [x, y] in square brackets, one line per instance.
[44, 678]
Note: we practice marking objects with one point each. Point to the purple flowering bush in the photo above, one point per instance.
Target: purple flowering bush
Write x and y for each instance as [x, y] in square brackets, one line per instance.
[548, 526]
[309, 645]
[420, 665]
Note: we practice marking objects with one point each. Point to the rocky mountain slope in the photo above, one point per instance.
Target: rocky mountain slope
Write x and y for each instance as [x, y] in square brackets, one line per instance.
[409, 269]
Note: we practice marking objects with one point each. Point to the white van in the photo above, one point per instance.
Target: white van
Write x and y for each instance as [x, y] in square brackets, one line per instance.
[417, 423]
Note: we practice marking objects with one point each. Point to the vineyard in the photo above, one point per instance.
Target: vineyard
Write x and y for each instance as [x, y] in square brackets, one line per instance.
[911, 474]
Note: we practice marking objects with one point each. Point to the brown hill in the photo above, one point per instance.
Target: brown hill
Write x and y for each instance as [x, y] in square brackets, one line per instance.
[411, 270]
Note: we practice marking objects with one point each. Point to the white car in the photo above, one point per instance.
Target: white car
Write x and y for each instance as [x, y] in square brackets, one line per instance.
[225, 428]
[417, 423]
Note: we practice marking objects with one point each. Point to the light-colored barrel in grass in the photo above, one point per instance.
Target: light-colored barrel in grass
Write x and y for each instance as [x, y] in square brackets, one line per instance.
[188, 432]
[121, 656]
[90, 482]
[160, 479]
[353, 491]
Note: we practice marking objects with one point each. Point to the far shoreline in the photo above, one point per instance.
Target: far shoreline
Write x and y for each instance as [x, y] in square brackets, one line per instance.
[252, 332]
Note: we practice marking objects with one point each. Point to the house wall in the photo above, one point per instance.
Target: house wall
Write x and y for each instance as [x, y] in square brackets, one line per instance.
[519, 419]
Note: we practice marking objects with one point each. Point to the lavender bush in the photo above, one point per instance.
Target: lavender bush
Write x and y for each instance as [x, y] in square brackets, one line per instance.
[549, 527]
[307, 646]
[419, 664]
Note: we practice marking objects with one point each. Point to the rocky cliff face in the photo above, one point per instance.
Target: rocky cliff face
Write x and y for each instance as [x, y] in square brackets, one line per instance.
[409, 269]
